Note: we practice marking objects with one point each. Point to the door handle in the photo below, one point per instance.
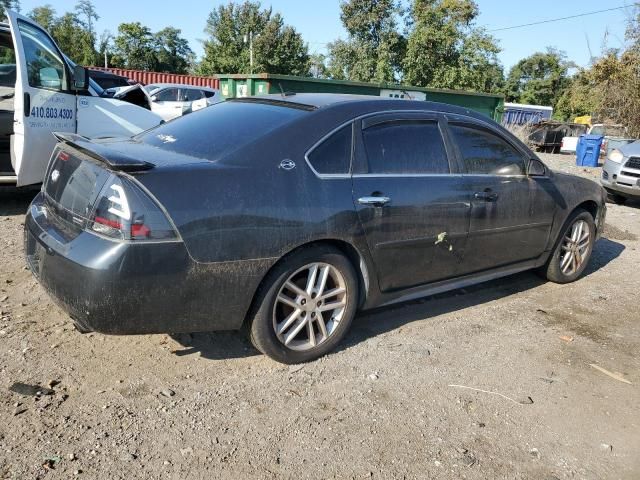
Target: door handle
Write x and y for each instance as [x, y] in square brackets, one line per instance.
[487, 196]
[374, 201]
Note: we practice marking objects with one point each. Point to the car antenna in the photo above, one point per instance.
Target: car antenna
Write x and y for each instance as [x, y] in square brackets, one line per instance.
[283, 93]
[407, 94]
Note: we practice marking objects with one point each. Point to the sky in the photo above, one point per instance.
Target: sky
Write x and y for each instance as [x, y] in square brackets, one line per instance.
[319, 22]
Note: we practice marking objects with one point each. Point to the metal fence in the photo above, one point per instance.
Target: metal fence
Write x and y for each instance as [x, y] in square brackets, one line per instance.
[146, 78]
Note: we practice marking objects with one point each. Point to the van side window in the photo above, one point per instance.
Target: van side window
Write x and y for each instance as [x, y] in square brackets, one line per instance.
[333, 155]
[45, 66]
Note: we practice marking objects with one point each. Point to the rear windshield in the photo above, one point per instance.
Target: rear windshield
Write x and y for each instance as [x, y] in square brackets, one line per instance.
[218, 130]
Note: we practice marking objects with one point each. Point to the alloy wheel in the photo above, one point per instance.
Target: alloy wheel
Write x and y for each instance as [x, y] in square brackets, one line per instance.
[309, 306]
[575, 246]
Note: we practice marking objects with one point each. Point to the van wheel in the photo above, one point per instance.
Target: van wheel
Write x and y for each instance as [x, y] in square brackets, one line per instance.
[306, 305]
[573, 249]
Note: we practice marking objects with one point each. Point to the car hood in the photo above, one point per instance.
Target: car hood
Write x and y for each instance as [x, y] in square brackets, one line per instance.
[631, 149]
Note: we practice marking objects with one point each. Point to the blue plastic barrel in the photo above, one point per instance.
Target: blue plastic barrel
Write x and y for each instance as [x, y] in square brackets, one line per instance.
[580, 148]
[588, 153]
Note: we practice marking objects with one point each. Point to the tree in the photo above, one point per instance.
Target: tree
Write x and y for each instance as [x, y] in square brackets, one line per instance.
[374, 48]
[318, 65]
[73, 39]
[134, 47]
[45, 16]
[231, 28]
[172, 51]
[8, 5]
[445, 50]
[87, 11]
[538, 79]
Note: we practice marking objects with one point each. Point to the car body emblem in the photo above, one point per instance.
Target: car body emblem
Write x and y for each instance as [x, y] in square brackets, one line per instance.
[55, 175]
[287, 164]
[166, 138]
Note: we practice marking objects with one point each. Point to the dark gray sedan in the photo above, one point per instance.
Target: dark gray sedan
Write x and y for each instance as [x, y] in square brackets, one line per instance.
[287, 214]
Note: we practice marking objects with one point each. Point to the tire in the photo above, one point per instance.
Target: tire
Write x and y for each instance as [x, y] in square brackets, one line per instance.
[616, 198]
[556, 270]
[270, 313]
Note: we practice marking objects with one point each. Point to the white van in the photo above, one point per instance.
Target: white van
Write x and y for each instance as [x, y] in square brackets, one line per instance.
[42, 91]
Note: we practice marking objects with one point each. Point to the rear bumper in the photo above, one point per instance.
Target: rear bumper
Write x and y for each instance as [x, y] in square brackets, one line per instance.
[128, 288]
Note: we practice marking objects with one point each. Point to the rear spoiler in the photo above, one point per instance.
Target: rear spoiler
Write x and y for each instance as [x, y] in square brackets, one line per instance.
[114, 159]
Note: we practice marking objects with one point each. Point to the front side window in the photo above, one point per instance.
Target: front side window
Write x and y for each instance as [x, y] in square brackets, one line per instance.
[45, 67]
[405, 147]
[333, 155]
[167, 95]
[485, 153]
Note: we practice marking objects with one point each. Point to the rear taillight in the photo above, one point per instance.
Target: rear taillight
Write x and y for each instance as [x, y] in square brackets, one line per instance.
[125, 212]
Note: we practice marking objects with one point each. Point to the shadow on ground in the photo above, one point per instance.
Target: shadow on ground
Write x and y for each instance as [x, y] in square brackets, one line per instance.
[15, 201]
[366, 325]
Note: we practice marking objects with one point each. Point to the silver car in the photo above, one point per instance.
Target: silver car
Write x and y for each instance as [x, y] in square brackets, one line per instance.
[621, 173]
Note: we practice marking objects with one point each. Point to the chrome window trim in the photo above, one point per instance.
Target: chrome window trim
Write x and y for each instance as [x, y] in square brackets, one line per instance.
[460, 117]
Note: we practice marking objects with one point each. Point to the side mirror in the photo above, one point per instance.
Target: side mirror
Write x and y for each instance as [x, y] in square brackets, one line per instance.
[80, 78]
[154, 98]
[536, 168]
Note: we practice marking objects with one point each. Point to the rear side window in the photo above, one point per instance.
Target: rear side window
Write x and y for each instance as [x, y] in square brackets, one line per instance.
[216, 131]
[167, 95]
[485, 153]
[333, 155]
[208, 94]
[191, 94]
[405, 147]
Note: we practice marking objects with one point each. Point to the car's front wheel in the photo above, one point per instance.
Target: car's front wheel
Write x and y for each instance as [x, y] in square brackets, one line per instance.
[305, 306]
[573, 249]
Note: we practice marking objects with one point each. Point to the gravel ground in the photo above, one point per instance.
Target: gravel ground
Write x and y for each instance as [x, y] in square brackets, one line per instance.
[389, 403]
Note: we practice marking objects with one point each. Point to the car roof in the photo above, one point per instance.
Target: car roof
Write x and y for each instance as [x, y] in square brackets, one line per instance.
[181, 85]
[323, 101]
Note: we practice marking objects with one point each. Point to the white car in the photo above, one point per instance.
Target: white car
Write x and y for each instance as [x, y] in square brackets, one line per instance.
[171, 100]
[42, 91]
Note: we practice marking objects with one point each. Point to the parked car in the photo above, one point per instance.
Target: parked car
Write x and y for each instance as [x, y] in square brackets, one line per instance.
[42, 91]
[621, 173]
[171, 100]
[301, 210]
[570, 142]
[108, 80]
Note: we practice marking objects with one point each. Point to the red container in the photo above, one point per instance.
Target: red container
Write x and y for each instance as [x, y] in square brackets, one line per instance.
[146, 78]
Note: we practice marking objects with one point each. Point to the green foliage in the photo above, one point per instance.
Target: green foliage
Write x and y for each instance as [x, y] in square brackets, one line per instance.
[134, 47]
[278, 48]
[538, 79]
[70, 31]
[445, 50]
[8, 5]
[374, 48]
[172, 51]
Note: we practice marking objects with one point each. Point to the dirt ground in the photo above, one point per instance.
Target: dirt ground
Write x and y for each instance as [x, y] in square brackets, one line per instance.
[389, 403]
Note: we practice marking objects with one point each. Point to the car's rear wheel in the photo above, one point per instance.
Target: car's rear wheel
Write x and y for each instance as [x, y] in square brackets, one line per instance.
[573, 249]
[306, 305]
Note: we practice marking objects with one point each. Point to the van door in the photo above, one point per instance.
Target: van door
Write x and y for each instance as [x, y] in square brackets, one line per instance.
[44, 101]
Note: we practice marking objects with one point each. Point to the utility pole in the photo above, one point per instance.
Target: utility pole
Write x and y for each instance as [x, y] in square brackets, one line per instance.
[105, 58]
[249, 38]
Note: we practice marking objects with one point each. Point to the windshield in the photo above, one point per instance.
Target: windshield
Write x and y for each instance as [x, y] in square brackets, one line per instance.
[609, 130]
[218, 130]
